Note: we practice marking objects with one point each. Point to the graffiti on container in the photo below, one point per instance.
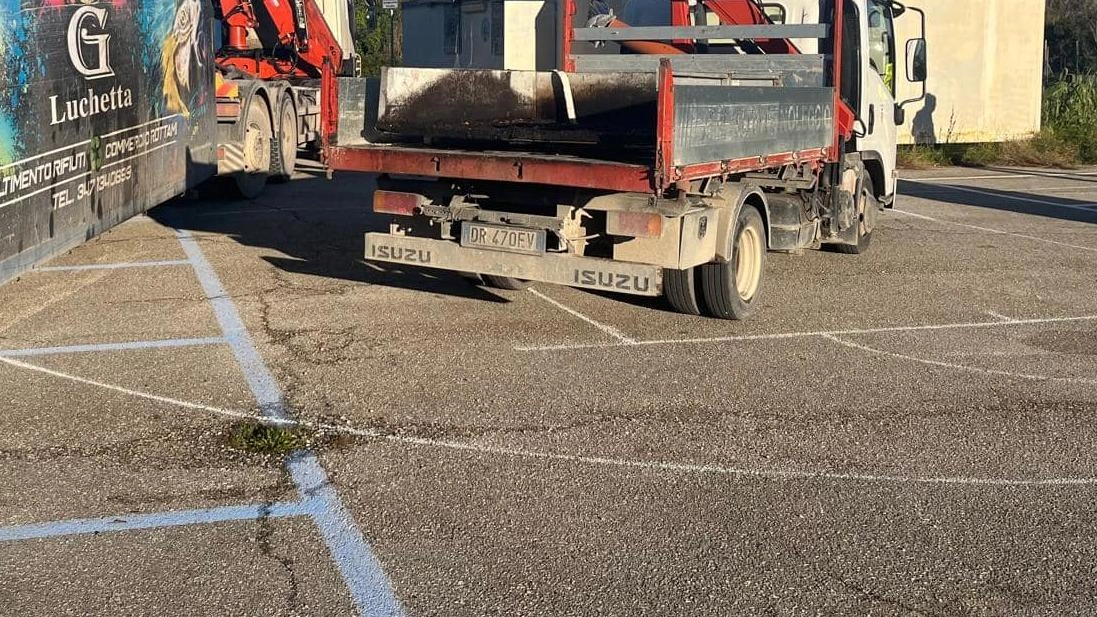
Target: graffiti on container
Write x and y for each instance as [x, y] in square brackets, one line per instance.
[106, 109]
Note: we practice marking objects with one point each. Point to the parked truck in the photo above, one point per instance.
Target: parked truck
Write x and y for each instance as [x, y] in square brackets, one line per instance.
[665, 156]
[108, 108]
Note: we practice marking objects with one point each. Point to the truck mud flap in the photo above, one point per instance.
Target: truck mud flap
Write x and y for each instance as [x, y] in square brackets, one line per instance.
[585, 272]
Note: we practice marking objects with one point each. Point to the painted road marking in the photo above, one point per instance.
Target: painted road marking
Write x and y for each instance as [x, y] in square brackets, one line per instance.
[1067, 175]
[958, 367]
[807, 334]
[114, 266]
[310, 482]
[157, 520]
[369, 587]
[1003, 195]
[996, 231]
[361, 569]
[145, 395]
[100, 347]
[610, 330]
[1066, 189]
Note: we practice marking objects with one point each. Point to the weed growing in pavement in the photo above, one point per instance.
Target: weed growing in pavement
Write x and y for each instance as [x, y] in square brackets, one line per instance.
[260, 438]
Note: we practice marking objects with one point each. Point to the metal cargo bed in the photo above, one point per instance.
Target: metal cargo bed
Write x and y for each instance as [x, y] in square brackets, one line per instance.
[611, 121]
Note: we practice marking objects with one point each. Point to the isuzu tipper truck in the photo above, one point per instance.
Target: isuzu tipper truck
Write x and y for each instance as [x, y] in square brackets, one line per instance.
[555, 141]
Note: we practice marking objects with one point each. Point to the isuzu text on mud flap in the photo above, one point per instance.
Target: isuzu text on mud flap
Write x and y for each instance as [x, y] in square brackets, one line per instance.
[613, 281]
[395, 253]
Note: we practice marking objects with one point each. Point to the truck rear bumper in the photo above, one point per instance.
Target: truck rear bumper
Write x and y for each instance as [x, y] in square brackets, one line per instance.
[585, 272]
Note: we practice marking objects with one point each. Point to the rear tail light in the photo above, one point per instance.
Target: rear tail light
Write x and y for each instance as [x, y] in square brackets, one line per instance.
[228, 109]
[634, 224]
[391, 202]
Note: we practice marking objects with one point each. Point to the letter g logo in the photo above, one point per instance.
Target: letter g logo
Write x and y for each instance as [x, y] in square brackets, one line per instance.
[87, 41]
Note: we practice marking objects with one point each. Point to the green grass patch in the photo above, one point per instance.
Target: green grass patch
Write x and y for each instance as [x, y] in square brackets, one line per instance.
[1047, 149]
[262, 438]
[923, 157]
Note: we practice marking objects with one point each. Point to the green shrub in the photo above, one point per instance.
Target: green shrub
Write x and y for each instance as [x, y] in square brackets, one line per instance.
[1070, 117]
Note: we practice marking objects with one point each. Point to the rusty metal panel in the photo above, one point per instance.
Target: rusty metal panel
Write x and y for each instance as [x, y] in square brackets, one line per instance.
[720, 123]
[514, 106]
[523, 167]
[106, 109]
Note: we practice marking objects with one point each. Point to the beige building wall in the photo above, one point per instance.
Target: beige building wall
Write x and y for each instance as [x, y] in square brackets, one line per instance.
[985, 70]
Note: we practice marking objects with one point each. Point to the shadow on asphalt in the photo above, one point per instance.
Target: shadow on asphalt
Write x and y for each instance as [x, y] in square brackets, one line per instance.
[1062, 174]
[1036, 204]
[317, 225]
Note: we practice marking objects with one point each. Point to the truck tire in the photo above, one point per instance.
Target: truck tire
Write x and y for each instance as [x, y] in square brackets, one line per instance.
[257, 149]
[680, 290]
[505, 282]
[283, 156]
[864, 236]
[732, 289]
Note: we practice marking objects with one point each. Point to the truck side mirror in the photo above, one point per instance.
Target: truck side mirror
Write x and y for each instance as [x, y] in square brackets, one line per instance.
[900, 115]
[916, 61]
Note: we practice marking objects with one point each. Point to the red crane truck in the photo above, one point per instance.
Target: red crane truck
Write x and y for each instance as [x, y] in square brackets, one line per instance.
[662, 157]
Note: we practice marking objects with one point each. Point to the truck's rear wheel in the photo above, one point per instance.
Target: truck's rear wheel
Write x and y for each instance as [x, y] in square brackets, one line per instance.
[680, 290]
[732, 289]
[257, 149]
[283, 156]
[505, 282]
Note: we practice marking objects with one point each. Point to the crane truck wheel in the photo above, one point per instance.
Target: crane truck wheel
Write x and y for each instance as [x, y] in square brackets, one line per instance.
[866, 209]
[257, 149]
[680, 290]
[732, 289]
[283, 156]
[505, 282]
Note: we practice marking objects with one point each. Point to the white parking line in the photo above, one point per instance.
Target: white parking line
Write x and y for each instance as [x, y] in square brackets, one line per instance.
[1066, 189]
[610, 330]
[643, 465]
[958, 367]
[113, 266]
[1066, 175]
[996, 231]
[1041, 202]
[794, 335]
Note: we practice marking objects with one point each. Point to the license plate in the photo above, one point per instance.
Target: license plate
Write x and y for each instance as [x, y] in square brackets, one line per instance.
[514, 239]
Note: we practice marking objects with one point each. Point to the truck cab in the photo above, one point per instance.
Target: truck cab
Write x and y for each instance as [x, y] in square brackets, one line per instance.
[872, 49]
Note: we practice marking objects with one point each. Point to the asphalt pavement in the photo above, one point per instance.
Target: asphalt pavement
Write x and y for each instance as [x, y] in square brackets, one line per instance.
[907, 432]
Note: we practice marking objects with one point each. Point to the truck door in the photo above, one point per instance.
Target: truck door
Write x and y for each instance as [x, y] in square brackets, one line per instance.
[878, 92]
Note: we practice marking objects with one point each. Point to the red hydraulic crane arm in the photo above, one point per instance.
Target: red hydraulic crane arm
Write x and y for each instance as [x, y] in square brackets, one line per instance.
[730, 13]
[304, 45]
[305, 48]
[745, 13]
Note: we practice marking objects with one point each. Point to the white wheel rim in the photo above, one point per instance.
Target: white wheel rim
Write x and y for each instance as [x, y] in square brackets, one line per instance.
[748, 263]
[256, 147]
[289, 138]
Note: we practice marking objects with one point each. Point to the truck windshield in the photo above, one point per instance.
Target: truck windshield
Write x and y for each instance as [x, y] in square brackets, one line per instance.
[881, 41]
